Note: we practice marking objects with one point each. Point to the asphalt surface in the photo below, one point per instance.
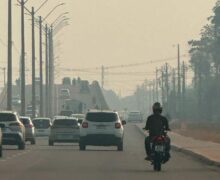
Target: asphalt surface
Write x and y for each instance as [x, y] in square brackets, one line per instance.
[65, 161]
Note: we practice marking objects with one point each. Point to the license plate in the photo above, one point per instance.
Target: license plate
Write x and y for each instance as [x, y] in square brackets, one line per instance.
[100, 127]
[40, 130]
[64, 137]
[159, 148]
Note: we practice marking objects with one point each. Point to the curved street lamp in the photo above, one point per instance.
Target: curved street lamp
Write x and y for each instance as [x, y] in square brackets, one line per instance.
[61, 4]
[60, 16]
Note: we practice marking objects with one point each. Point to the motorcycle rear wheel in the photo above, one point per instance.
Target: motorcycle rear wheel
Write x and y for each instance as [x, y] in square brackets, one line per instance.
[157, 166]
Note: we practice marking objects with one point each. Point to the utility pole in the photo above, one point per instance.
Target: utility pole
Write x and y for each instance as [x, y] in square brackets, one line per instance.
[179, 80]
[183, 88]
[154, 91]
[9, 87]
[33, 66]
[103, 76]
[4, 71]
[47, 72]
[41, 66]
[51, 72]
[23, 102]
[174, 92]
[167, 86]
[50, 75]
[157, 93]
[162, 86]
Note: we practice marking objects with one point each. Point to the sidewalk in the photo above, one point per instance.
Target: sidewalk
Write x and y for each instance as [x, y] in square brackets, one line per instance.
[206, 151]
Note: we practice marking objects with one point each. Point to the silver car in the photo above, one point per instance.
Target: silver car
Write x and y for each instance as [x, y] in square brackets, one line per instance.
[64, 129]
[13, 130]
[29, 129]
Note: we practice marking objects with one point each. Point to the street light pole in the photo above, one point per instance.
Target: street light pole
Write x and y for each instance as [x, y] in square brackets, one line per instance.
[9, 86]
[41, 67]
[178, 81]
[23, 103]
[47, 72]
[50, 68]
[33, 66]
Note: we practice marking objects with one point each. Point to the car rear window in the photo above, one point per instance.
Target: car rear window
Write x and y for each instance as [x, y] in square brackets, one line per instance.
[41, 123]
[101, 117]
[65, 122]
[5, 117]
[25, 121]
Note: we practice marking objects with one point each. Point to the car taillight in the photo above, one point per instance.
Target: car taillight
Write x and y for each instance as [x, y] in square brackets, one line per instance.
[117, 125]
[85, 125]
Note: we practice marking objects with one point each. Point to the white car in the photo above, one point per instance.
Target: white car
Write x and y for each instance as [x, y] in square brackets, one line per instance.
[102, 128]
[42, 126]
[13, 131]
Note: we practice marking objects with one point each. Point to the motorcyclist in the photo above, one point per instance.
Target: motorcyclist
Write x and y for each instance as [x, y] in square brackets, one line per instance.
[156, 125]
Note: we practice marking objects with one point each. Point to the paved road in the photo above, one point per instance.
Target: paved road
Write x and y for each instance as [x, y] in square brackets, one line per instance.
[64, 161]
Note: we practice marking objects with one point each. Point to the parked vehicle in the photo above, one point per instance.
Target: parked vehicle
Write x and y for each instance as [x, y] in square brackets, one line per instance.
[12, 128]
[29, 129]
[42, 126]
[102, 128]
[1, 143]
[64, 129]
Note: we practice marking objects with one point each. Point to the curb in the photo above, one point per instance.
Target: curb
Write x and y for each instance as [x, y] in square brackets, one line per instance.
[197, 156]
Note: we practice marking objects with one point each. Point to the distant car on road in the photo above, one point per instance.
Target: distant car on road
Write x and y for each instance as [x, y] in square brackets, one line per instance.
[135, 116]
[29, 129]
[42, 126]
[102, 128]
[64, 129]
[1, 142]
[13, 129]
[16, 101]
[66, 113]
[79, 117]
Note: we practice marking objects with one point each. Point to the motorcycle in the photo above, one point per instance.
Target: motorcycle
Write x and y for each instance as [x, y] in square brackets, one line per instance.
[158, 152]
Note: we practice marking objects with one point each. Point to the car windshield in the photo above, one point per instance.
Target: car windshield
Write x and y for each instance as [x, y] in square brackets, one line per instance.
[101, 117]
[65, 122]
[41, 123]
[4, 117]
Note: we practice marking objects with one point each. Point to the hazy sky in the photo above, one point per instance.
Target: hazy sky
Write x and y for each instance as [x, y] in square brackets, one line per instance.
[113, 32]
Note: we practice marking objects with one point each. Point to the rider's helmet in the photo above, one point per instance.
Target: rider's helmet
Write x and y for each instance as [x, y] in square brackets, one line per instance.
[157, 108]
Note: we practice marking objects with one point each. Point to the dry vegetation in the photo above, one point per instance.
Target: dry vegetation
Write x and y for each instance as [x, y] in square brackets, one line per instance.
[202, 131]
